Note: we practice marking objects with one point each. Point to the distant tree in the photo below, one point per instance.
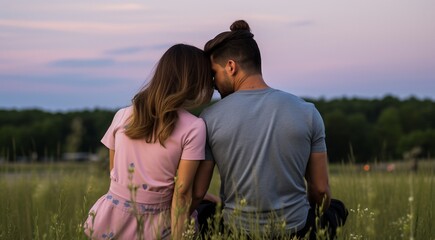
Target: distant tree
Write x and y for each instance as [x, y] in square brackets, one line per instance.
[8, 142]
[46, 137]
[361, 135]
[388, 130]
[423, 139]
[74, 139]
[365, 129]
[337, 136]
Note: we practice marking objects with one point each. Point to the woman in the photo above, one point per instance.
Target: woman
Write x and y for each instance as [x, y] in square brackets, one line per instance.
[155, 146]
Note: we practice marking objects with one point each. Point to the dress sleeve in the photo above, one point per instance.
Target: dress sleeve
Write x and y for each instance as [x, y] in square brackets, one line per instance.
[109, 137]
[194, 143]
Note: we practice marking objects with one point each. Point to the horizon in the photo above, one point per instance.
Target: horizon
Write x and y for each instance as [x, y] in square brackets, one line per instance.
[62, 56]
[212, 100]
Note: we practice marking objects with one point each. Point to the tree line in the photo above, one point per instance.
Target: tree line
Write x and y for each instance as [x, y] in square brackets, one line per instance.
[357, 130]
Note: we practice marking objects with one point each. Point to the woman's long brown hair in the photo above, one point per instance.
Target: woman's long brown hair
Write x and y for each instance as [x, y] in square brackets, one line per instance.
[182, 79]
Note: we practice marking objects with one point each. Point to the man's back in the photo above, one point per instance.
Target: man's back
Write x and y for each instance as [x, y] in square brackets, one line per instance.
[261, 141]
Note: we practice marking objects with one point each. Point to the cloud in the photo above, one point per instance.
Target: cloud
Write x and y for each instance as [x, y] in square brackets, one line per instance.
[102, 7]
[125, 51]
[50, 82]
[83, 63]
[65, 91]
[302, 23]
[283, 19]
[121, 7]
[136, 49]
[78, 26]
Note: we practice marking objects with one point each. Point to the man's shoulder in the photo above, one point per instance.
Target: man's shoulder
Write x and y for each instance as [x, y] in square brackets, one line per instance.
[288, 95]
[283, 98]
[215, 108]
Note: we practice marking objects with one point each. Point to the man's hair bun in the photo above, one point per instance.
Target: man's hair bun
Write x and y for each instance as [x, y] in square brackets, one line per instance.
[240, 25]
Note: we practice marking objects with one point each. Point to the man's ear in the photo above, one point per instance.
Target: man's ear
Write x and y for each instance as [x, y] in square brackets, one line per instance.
[231, 68]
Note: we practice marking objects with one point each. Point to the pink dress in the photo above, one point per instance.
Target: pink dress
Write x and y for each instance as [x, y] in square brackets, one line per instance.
[152, 169]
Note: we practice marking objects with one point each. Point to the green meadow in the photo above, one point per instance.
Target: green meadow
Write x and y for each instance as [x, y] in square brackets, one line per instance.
[51, 201]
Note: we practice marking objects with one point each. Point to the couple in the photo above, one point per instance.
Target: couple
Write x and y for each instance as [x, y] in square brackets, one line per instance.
[268, 145]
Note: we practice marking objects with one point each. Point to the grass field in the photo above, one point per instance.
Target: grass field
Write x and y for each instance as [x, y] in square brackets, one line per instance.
[50, 201]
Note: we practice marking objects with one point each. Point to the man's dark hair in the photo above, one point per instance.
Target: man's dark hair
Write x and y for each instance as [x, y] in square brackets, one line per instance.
[238, 45]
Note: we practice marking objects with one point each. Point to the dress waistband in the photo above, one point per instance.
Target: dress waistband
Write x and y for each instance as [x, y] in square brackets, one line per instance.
[142, 196]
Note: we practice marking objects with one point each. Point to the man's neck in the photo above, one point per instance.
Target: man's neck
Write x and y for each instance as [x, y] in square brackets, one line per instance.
[251, 82]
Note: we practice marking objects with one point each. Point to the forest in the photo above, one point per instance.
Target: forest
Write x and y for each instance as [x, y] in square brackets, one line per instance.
[357, 130]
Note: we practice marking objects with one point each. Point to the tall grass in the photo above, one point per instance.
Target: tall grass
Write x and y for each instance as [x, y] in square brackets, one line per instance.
[52, 201]
[387, 205]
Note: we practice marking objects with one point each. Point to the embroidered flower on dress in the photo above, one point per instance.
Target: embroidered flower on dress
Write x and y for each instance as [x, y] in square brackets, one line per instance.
[108, 236]
[143, 208]
[166, 232]
[144, 186]
[131, 168]
[115, 201]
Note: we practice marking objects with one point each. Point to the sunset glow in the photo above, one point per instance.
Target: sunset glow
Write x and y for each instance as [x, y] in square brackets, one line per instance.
[73, 55]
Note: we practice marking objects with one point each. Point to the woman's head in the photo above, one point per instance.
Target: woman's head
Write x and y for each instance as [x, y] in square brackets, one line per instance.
[182, 79]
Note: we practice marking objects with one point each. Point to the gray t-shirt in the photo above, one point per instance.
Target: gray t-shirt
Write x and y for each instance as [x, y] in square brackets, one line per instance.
[261, 141]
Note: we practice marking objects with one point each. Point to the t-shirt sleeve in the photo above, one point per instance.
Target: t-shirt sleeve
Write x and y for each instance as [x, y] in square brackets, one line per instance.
[194, 143]
[109, 137]
[208, 152]
[318, 143]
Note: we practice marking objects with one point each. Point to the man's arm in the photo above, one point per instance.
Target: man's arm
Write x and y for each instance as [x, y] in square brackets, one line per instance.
[317, 180]
[202, 182]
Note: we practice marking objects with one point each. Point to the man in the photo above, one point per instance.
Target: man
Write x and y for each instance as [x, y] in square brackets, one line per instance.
[269, 146]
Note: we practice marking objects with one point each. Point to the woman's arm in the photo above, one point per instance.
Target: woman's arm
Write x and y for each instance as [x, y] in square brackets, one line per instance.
[111, 157]
[182, 197]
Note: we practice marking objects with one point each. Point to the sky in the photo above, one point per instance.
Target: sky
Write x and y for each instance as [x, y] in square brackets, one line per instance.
[60, 55]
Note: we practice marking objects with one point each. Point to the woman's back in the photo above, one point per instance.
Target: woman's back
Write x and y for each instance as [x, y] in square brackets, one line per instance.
[154, 148]
[154, 166]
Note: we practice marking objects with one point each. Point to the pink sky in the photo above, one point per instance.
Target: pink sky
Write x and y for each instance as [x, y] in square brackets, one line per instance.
[79, 54]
